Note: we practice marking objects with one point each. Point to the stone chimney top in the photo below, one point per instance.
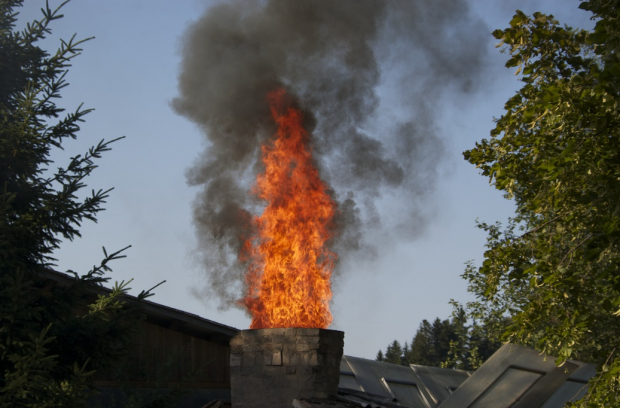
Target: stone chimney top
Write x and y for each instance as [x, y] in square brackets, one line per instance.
[272, 367]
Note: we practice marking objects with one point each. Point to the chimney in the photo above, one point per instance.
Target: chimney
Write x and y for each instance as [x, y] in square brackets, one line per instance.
[272, 367]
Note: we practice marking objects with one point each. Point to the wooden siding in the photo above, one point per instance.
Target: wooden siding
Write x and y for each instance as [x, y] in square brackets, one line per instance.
[165, 357]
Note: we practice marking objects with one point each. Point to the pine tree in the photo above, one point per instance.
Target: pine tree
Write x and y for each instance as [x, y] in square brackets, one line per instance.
[431, 343]
[449, 343]
[404, 358]
[394, 353]
[51, 339]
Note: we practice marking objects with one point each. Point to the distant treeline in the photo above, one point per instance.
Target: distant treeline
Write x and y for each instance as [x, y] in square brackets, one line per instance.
[449, 343]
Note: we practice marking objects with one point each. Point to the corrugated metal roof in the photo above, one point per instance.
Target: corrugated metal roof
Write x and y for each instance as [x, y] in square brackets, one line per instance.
[409, 386]
[388, 380]
[514, 376]
[439, 383]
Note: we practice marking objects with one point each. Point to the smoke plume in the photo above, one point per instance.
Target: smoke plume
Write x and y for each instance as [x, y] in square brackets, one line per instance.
[369, 75]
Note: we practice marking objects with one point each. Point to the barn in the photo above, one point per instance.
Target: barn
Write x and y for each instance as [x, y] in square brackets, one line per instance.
[175, 355]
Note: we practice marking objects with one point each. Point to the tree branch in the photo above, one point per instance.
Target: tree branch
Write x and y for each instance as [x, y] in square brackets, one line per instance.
[575, 248]
[541, 226]
[599, 377]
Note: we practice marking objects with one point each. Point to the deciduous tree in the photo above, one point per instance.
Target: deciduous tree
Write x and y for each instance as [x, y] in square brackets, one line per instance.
[556, 152]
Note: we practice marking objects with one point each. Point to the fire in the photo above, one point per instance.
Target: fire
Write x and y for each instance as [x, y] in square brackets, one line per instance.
[289, 265]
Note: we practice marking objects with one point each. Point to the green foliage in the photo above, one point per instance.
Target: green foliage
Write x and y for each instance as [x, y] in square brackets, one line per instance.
[475, 342]
[431, 343]
[50, 341]
[555, 152]
[449, 343]
[394, 353]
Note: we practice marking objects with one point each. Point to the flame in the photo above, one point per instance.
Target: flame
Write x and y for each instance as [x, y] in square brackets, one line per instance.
[289, 264]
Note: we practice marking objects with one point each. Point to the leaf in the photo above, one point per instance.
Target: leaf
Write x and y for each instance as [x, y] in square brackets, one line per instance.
[518, 18]
[597, 38]
[555, 153]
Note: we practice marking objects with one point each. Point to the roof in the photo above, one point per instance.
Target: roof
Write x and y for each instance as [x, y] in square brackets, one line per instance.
[515, 376]
[410, 386]
[520, 377]
[347, 399]
[163, 315]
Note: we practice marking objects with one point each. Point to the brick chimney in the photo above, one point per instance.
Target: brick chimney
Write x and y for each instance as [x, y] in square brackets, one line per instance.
[271, 367]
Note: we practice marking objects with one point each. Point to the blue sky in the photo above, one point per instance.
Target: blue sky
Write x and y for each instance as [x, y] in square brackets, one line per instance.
[129, 73]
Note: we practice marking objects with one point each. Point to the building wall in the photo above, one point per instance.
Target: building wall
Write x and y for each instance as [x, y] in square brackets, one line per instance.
[166, 360]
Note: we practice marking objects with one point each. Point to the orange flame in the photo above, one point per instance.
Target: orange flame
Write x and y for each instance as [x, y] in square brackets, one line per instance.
[289, 265]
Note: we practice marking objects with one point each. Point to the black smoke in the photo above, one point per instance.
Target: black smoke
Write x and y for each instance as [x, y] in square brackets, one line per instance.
[370, 76]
